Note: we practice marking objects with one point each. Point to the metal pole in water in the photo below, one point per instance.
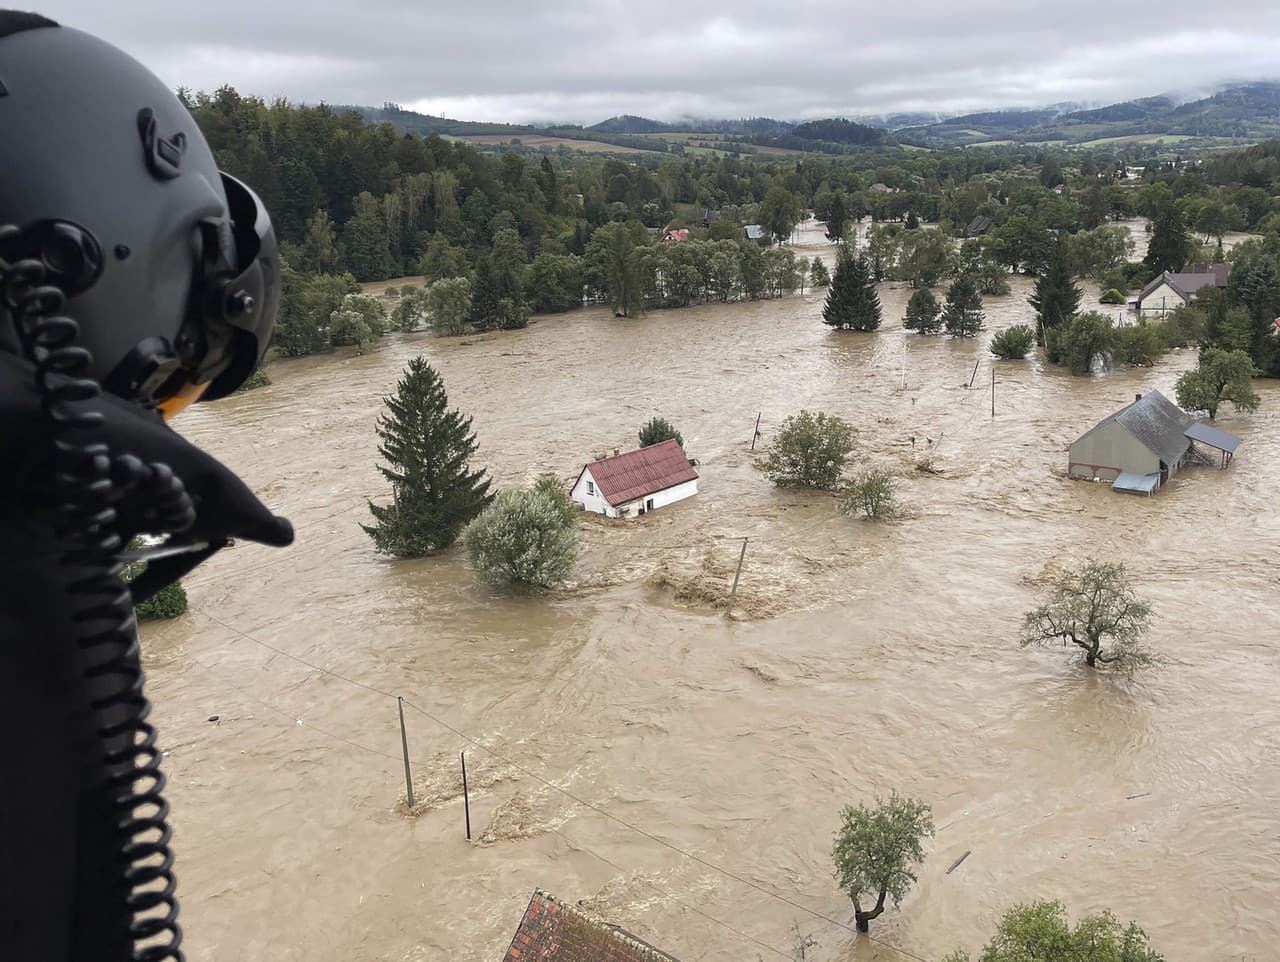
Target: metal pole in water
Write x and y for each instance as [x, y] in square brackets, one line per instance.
[733, 592]
[975, 371]
[756, 434]
[466, 796]
[404, 747]
[993, 390]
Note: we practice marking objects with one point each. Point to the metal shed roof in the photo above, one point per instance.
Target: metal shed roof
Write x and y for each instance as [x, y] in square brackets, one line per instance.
[1136, 483]
[1213, 437]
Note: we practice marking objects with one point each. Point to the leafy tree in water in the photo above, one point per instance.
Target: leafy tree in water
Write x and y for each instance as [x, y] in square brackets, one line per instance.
[358, 320]
[1040, 931]
[1080, 340]
[1013, 343]
[1056, 296]
[1170, 245]
[852, 302]
[818, 275]
[442, 260]
[428, 450]
[614, 269]
[779, 212]
[809, 451]
[657, 430]
[527, 538]
[1221, 376]
[803, 268]
[875, 852]
[923, 313]
[962, 315]
[925, 257]
[873, 495]
[448, 304]
[1095, 609]
[411, 310]
[507, 264]
[553, 283]
[837, 218]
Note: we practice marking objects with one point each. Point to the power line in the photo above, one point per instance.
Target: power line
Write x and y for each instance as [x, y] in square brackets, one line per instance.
[571, 796]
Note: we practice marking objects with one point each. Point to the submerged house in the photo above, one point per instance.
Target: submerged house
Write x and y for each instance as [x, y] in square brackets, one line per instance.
[552, 931]
[1140, 447]
[636, 482]
[1171, 290]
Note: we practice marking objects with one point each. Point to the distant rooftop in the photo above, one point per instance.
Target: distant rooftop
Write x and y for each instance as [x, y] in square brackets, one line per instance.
[552, 931]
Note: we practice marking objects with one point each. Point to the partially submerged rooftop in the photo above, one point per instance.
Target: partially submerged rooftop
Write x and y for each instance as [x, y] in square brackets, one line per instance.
[553, 931]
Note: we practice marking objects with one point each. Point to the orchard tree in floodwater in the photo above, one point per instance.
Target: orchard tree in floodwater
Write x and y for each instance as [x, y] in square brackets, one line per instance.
[809, 451]
[923, 313]
[1040, 932]
[1095, 609]
[962, 316]
[876, 849]
[657, 430]
[852, 302]
[428, 450]
[1221, 376]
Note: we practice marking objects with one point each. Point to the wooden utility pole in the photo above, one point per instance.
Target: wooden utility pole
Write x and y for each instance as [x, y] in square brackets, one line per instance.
[756, 433]
[975, 371]
[733, 592]
[404, 747]
[993, 390]
[466, 797]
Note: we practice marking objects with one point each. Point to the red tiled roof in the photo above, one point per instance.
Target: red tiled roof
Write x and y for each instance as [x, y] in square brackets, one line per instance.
[635, 474]
[551, 931]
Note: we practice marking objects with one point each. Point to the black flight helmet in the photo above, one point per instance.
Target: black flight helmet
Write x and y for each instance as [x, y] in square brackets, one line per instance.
[170, 267]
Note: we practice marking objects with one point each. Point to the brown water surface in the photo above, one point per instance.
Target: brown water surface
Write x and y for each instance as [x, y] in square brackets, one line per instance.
[863, 658]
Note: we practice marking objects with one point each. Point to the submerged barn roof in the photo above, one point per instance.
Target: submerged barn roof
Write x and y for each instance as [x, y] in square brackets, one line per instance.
[554, 932]
[636, 474]
[1213, 437]
[1155, 421]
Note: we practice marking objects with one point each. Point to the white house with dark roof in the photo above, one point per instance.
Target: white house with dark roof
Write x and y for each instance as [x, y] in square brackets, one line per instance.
[1171, 290]
[637, 482]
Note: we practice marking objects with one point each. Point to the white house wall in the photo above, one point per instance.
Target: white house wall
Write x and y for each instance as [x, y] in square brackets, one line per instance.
[1163, 298]
[596, 502]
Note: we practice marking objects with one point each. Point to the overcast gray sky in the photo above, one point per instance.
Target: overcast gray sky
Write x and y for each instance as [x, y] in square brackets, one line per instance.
[538, 60]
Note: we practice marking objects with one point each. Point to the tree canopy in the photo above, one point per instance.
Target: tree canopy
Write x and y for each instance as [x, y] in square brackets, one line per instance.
[1041, 932]
[1094, 608]
[875, 852]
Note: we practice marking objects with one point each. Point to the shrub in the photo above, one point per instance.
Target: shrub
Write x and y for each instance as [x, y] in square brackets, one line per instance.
[259, 378]
[1081, 339]
[809, 451]
[169, 602]
[1139, 345]
[873, 495]
[1112, 296]
[658, 430]
[1013, 343]
[528, 538]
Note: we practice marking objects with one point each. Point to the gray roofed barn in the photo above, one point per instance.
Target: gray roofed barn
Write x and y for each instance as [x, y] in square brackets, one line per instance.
[1149, 439]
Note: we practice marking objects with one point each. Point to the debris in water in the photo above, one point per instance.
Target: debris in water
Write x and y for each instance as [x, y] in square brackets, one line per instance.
[956, 864]
[1139, 795]
[214, 718]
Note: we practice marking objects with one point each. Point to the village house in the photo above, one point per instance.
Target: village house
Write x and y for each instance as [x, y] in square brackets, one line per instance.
[637, 482]
[710, 217]
[756, 233]
[1171, 290]
[674, 236]
[552, 931]
[1141, 446]
[980, 224]
[884, 189]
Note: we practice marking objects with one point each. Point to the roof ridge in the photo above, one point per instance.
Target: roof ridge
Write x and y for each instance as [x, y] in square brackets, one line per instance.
[631, 941]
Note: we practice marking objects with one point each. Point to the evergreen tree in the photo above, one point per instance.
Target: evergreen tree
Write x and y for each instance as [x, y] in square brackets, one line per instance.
[365, 241]
[1056, 297]
[319, 251]
[962, 316]
[427, 447]
[837, 218]
[912, 220]
[1170, 244]
[484, 296]
[818, 275]
[923, 313]
[507, 263]
[852, 303]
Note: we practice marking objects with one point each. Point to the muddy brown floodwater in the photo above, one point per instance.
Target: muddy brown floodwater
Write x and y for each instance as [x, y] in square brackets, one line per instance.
[864, 658]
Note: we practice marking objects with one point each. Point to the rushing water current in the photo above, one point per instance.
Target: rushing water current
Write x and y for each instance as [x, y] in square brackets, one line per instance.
[861, 658]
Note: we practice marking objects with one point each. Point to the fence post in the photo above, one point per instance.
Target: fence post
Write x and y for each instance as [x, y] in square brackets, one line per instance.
[404, 747]
[733, 592]
[466, 796]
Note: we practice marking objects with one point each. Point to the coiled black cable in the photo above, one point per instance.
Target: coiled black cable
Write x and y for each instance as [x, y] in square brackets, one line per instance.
[89, 482]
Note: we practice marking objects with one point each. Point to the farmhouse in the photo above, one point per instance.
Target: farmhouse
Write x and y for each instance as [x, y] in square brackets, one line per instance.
[674, 235]
[1171, 290]
[1141, 446]
[636, 482]
[755, 232]
[552, 931]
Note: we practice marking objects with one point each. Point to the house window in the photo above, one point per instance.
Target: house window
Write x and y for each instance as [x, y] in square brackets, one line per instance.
[591, 488]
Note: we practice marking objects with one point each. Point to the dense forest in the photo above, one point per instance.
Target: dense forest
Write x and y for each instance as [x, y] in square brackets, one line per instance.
[541, 232]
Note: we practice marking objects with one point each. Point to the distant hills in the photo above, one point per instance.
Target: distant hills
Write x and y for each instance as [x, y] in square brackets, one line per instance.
[1243, 112]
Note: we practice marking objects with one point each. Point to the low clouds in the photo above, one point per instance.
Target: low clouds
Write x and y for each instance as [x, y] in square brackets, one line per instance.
[582, 62]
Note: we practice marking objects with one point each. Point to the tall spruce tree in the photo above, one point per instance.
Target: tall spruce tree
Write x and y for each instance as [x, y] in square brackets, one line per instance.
[1170, 244]
[1056, 297]
[923, 313]
[428, 449]
[852, 302]
[962, 316]
[485, 307]
[837, 218]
